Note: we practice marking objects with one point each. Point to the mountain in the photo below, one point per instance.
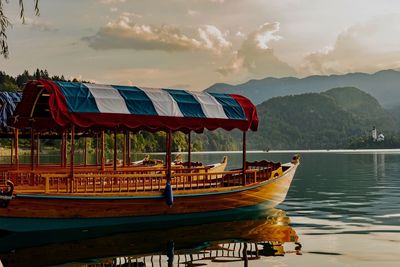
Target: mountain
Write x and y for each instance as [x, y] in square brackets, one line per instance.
[383, 85]
[324, 120]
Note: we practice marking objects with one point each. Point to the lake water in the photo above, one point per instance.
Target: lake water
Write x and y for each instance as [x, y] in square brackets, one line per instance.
[344, 209]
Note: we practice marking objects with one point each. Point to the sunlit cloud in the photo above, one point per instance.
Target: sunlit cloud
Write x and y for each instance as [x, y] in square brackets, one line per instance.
[235, 66]
[256, 57]
[131, 15]
[267, 33]
[366, 47]
[213, 39]
[124, 33]
[240, 34]
[109, 2]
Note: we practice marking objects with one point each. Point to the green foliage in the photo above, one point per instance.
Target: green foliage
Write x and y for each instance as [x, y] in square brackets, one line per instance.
[318, 121]
[211, 141]
[218, 140]
[9, 83]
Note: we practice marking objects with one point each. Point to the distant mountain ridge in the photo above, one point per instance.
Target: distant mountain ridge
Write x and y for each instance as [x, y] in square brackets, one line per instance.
[324, 120]
[383, 85]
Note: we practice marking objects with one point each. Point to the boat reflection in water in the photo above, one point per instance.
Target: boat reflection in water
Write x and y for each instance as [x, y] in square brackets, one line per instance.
[241, 236]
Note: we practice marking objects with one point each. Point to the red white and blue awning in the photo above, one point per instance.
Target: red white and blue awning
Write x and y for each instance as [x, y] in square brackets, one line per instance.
[92, 105]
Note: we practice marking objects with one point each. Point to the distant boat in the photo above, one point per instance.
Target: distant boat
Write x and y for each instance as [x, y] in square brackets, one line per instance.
[71, 195]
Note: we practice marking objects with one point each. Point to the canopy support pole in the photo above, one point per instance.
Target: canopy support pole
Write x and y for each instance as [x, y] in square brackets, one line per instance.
[190, 149]
[32, 148]
[85, 151]
[16, 144]
[62, 150]
[11, 151]
[72, 152]
[65, 148]
[97, 148]
[168, 188]
[103, 167]
[115, 149]
[244, 158]
[168, 156]
[128, 146]
[37, 149]
[124, 151]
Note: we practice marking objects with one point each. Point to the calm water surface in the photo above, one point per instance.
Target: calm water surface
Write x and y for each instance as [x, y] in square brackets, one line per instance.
[342, 207]
[345, 207]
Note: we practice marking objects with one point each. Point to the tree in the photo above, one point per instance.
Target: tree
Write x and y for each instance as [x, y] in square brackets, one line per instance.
[23, 78]
[5, 23]
[37, 74]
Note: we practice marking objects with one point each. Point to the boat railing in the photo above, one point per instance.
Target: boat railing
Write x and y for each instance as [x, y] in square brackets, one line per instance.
[266, 168]
[91, 179]
[27, 176]
[123, 182]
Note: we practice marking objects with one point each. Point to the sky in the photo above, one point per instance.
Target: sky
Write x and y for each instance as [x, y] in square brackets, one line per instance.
[193, 44]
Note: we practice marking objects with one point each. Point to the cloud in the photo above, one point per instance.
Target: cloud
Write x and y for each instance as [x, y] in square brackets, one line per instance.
[235, 66]
[110, 2]
[256, 56]
[265, 34]
[193, 13]
[131, 15]
[365, 47]
[123, 33]
[239, 34]
[213, 39]
[40, 25]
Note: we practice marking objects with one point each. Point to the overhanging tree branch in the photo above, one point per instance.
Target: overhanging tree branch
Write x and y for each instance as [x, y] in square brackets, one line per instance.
[5, 23]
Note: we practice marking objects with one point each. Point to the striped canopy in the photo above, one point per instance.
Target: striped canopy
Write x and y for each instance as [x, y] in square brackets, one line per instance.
[8, 102]
[110, 106]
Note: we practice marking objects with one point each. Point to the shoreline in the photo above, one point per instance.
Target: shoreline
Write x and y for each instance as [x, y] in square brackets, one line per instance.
[344, 151]
[303, 151]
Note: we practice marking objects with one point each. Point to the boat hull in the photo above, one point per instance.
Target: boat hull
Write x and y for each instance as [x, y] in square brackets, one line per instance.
[61, 247]
[49, 212]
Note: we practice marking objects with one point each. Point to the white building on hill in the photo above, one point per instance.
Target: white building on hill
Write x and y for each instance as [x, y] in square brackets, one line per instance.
[375, 136]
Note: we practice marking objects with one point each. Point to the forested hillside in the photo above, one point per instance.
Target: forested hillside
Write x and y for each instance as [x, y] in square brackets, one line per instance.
[319, 121]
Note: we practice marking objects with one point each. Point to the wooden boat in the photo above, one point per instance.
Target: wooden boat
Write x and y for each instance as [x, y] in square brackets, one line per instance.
[263, 232]
[218, 167]
[146, 161]
[200, 167]
[67, 197]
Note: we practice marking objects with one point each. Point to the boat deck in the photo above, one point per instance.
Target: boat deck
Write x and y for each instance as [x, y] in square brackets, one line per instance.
[90, 180]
